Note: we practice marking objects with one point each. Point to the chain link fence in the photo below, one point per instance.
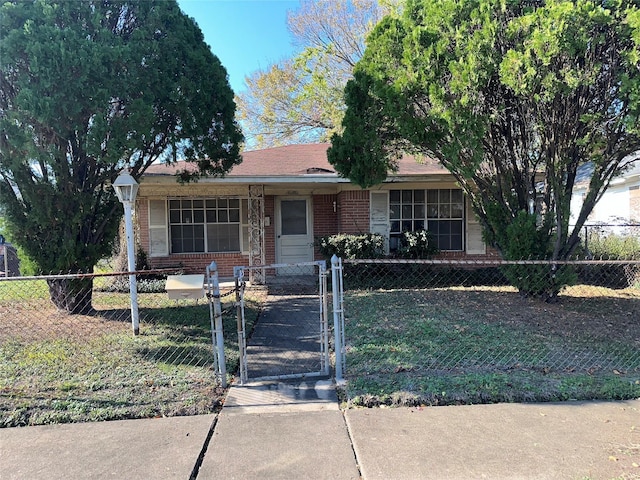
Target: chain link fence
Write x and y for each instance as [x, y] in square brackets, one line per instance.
[451, 332]
[59, 367]
[416, 332]
[613, 241]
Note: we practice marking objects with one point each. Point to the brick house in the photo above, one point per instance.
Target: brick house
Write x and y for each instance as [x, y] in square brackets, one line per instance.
[271, 207]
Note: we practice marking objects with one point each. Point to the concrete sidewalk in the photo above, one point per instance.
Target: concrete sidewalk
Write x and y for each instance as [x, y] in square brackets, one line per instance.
[163, 448]
[594, 440]
[571, 441]
[311, 439]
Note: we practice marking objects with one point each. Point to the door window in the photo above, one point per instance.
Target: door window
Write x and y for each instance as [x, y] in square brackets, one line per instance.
[294, 217]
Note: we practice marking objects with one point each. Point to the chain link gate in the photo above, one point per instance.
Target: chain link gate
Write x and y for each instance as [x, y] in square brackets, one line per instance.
[291, 339]
[212, 286]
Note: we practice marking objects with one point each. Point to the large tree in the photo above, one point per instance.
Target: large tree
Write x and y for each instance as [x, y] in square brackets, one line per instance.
[87, 89]
[300, 100]
[512, 98]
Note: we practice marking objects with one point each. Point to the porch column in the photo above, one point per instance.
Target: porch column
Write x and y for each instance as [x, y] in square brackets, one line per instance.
[256, 232]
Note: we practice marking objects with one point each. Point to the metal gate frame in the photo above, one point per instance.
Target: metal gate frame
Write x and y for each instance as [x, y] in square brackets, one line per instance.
[212, 287]
[239, 276]
[337, 287]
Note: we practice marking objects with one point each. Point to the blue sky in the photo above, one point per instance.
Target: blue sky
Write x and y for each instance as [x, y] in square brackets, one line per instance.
[246, 35]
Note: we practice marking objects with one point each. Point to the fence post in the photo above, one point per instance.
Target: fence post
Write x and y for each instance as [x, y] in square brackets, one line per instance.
[338, 315]
[324, 317]
[586, 240]
[238, 274]
[5, 256]
[215, 312]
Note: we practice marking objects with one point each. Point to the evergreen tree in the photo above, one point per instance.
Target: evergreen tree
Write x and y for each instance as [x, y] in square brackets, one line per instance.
[89, 88]
[511, 97]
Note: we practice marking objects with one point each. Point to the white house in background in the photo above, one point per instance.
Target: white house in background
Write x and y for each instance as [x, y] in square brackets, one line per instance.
[619, 204]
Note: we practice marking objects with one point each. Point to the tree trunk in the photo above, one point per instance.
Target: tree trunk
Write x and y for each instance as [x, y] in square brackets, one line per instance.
[120, 259]
[72, 295]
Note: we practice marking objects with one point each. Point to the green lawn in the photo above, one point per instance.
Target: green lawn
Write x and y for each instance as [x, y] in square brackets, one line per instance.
[485, 345]
[56, 368]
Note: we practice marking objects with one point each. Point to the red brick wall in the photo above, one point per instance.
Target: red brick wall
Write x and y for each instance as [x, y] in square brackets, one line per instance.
[198, 262]
[189, 262]
[353, 210]
[270, 232]
[325, 220]
[352, 216]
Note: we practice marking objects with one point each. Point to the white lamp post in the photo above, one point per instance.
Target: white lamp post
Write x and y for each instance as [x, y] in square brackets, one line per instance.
[126, 189]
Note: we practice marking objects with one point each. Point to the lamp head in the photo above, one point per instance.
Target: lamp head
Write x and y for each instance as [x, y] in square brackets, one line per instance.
[126, 187]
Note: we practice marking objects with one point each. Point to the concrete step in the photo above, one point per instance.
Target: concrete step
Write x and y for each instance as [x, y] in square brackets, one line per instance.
[281, 396]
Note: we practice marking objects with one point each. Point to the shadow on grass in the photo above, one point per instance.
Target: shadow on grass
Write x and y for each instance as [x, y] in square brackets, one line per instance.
[184, 355]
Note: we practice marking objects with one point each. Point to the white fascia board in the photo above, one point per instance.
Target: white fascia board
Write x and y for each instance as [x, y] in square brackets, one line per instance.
[150, 179]
[420, 178]
[276, 180]
[314, 179]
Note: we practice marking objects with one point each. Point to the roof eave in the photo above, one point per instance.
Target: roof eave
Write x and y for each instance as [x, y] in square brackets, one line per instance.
[159, 178]
[271, 179]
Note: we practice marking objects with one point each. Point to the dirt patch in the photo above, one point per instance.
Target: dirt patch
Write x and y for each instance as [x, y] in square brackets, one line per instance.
[27, 323]
[581, 310]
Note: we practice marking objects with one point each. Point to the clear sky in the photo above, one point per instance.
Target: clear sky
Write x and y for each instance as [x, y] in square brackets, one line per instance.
[246, 35]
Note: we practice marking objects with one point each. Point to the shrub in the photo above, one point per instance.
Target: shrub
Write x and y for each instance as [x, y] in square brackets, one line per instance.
[418, 244]
[524, 241]
[145, 285]
[142, 261]
[365, 245]
[602, 245]
[613, 247]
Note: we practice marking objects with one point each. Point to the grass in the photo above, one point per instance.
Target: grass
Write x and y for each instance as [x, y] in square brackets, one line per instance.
[56, 368]
[488, 344]
[21, 290]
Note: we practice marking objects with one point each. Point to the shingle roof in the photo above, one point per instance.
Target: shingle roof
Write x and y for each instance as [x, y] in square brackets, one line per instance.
[294, 160]
[631, 169]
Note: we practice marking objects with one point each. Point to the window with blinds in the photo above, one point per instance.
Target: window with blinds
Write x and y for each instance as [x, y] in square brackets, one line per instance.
[198, 225]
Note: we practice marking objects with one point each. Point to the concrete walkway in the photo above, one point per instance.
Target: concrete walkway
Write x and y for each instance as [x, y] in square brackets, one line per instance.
[295, 430]
[129, 449]
[286, 340]
[573, 441]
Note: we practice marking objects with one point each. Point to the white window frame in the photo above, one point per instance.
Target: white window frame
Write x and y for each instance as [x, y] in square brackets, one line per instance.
[394, 233]
[443, 218]
[243, 224]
